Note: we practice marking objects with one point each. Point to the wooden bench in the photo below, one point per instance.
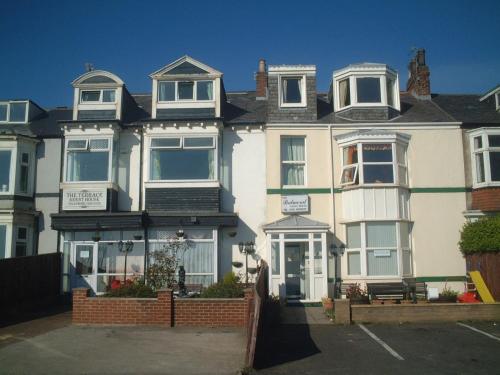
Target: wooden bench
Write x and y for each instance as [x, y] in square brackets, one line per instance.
[415, 288]
[386, 291]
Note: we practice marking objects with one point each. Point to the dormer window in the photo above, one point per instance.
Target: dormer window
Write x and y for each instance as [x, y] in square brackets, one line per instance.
[13, 112]
[171, 91]
[98, 96]
[365, 85]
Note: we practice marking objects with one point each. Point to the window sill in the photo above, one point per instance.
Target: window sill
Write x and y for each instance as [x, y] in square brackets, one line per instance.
[182, 184]
[88, 184]
[371, 186]
[486, 185]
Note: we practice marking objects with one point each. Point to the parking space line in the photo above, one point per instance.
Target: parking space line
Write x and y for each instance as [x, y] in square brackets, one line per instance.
[479, 331]
[383, 344]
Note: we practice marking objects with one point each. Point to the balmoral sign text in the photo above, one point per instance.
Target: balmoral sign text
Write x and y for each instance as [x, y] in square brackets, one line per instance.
[84, 199]
[294, 203]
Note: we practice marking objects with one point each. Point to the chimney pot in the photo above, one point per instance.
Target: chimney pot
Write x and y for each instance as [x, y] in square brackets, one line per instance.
[261, 78]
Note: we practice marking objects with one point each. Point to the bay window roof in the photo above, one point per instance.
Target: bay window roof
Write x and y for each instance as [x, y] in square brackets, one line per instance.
[366, 85]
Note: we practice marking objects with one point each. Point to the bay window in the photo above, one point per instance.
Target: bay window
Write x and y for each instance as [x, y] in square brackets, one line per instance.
[88, 159]
[197, 254]
[374, 163]
[378, 249]
[170, 91]
[5, 162]
[485, 145]
[183, 158]
[293, 161]
[344, 93]
[98, 96]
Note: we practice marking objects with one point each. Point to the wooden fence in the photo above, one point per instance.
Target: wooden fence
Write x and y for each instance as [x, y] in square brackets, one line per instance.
[256, 311]
[488, 264]
[28, 283]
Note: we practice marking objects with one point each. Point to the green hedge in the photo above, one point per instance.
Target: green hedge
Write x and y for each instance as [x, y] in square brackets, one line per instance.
[481, 236]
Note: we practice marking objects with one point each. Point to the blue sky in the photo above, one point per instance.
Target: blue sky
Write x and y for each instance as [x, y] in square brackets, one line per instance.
[45, 44]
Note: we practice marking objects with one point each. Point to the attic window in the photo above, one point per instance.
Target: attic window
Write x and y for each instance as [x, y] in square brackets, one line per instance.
[171, 91]
[97, 96]
[368, 89]
[497, 96]
[13, 112]
[292, 91]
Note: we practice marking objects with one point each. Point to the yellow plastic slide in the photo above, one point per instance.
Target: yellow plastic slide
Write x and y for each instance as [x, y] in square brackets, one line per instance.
[481, 287]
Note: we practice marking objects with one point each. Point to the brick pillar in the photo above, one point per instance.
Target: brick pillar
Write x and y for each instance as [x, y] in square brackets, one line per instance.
[79, 304]
[342, 311]
[249, 304]
[166, 305]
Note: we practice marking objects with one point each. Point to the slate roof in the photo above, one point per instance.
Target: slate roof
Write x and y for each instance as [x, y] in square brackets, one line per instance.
[44, 126]
[243, 108]
[296, 222]
[468, 109]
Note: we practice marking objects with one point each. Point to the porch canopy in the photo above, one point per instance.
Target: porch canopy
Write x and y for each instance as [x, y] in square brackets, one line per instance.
[295, 222]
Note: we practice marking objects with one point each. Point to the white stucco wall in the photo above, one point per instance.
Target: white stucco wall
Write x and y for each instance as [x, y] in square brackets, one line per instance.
[129, 171]
[243, 178]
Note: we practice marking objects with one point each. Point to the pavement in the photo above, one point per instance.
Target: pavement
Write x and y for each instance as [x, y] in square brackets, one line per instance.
[300, 315]
[52, 345]
[444, 348]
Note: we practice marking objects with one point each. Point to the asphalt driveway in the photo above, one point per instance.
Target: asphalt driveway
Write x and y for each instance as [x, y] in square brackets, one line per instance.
[446, 348]
[53, 346]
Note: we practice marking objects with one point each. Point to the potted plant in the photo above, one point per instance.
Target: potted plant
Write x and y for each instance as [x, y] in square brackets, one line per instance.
[448, 295]
[357, 295]
[327, 303]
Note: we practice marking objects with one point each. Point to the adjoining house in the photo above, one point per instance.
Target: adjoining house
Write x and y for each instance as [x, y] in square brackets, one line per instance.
[365, 184]
[144, 168]
[29, 171]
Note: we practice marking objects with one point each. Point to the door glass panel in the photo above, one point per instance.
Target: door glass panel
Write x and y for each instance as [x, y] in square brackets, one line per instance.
[297, 270]
[84, 259]
[275, 258]
[318, 259]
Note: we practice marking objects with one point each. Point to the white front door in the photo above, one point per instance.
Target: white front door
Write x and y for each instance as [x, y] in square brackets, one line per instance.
[84, 266]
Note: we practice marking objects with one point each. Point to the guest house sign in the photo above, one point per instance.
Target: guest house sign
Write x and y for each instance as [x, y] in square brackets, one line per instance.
[294, 204]
[84, 199]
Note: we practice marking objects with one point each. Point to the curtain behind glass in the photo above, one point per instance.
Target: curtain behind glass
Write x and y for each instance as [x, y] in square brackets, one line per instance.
[87, 166]
[382, 265]
[380, 235]
[344, 93]
[293, 174]
[292, 149]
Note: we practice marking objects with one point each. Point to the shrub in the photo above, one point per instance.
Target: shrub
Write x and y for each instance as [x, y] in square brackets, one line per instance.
[355, 291]
[481, 236]
[447, 292]
[135, 289]
[229, 287]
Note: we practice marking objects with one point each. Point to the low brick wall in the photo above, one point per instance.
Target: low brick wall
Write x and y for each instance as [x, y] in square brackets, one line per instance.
[164, 310]
[100, 310]
[210, 312]
[428, 312]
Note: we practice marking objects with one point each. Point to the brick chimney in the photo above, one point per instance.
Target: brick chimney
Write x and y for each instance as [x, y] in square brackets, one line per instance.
[419, 84]
[261, 78]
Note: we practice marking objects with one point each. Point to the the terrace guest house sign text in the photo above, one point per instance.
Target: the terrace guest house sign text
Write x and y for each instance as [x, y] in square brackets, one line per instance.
[84, 199]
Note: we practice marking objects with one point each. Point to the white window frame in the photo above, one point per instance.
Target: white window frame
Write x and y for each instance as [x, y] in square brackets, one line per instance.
[351, 76]
[27, 165]
[195, 91]
[303, 88]
[485, 151]
[180, 147]
[110, 150]
[293, 162]
[8, 103]
[359, 170]
[369, 104]
[497, 99]
[363, 251]
[101, 94]
[214, 240]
